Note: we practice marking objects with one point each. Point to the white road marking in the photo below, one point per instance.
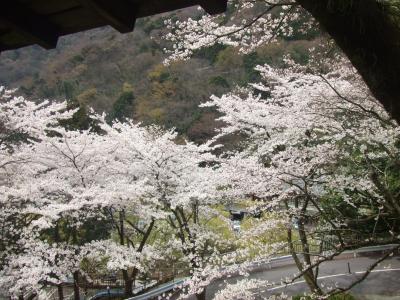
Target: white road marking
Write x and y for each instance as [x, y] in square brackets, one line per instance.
[330, 276]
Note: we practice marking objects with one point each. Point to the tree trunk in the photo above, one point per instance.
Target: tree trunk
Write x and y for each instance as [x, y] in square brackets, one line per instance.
[32, 296]
[312, 282]
[369, 35]
[128, 284]
[134, 274]
[308, 275]
[60, 292]
[202, 295]
[76, 286]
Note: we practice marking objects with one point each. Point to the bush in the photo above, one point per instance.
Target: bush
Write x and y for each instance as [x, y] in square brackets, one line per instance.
[210, 53]
[122, 108]
[219, 81]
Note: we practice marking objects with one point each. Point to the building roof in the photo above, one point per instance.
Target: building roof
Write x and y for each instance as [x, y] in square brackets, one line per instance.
[42, 22]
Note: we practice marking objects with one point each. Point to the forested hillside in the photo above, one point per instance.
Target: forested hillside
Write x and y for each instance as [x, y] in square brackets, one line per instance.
[124, 75]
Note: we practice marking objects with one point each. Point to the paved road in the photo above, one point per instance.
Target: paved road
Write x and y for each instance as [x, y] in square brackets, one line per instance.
[385, 280]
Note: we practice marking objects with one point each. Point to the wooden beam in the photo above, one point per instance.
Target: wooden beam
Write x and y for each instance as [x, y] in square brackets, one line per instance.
[119, 14]
[29, 24]
[2, 48]
[214, 6]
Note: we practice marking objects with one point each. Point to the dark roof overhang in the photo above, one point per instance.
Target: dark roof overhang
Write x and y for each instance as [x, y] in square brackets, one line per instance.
[42, 22]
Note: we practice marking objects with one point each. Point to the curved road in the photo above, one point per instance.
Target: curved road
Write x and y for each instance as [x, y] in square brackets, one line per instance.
[383, 281]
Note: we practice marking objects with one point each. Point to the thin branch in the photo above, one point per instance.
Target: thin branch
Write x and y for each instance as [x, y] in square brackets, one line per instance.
[365, 275]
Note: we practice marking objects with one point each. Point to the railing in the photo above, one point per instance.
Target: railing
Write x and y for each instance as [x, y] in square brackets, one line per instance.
[169, 286]
[93, 280]
[316, 247]
[116, 280]
[165, 274]
[271, 263]
[170, 273]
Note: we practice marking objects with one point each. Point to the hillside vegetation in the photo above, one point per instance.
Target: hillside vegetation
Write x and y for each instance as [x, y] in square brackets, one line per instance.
[123, 74]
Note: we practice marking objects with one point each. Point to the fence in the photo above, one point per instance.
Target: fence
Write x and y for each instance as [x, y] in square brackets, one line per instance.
[116, 280]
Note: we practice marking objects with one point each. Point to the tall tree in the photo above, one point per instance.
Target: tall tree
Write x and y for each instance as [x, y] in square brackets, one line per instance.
[316, 142]
[177, 186]
[368, 32]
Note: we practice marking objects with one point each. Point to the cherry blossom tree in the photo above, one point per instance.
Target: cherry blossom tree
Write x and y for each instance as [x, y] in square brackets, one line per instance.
[309, 135]
[179, 184]
[252, 23]
[353, 26]
[308, 132]
[129, 176]
[70, 181]
[301, 146]
[21, 122]
[57, 185]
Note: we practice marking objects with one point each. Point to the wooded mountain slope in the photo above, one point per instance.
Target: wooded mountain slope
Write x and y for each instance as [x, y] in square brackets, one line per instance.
[123, 74]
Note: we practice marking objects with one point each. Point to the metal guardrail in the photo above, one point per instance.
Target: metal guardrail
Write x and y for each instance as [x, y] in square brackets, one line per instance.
[267, 263]
[166, 287]
[288, 258]
[120, 292]
[261, 264]
[108, 293]
[116, 280]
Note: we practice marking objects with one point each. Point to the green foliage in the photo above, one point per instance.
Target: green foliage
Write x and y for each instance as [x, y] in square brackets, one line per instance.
[367, 215]
[210, 53]
[77, 59]
[91, 230]
[299, 53]
[43, 89]
[66, 88]
[159, 74]
[219, 226]
[87, 96]
[278, 234]
[153, 24]
[297, 24]
[122, 108]
[219, 81]
[95, 230]
[90, 71]
[229, 59]
[80, 119]
[10, 138]
[250, 61]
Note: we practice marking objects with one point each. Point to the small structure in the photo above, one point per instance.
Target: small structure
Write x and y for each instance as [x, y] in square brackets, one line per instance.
[238, 214]
[42, 22]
